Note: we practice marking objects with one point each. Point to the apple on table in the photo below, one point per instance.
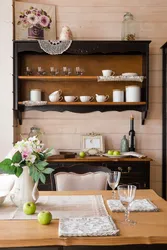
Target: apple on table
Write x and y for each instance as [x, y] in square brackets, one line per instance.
[82, 154]
[29, 208]
[110, 152]
[44, 217]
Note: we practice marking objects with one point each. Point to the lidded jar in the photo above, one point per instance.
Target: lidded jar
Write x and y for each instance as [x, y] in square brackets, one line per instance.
[128, 28]
[35, 131]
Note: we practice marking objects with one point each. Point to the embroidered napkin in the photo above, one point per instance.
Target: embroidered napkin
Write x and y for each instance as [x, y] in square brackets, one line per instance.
[140, 205]
[87, 226]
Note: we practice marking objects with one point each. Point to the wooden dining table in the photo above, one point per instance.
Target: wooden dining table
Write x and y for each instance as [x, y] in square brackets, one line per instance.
[150, 231]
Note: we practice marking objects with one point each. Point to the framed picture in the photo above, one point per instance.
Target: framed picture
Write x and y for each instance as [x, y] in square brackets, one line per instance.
[93, 144]
[35, 21]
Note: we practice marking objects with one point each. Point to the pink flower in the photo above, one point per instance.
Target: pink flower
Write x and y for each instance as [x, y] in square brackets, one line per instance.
[44, 21]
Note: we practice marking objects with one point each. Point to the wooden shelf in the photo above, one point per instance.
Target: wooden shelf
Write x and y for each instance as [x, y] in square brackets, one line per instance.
[59, 78]
[91, 103]
[81, 78]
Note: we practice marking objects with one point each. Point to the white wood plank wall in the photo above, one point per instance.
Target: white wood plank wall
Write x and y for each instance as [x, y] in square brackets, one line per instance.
[101, 19]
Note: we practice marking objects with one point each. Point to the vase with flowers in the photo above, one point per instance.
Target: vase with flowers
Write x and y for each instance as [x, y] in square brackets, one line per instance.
[36, 20]
[27, 160]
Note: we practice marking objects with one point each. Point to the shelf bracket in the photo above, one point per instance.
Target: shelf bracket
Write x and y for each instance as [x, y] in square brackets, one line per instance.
[19, 117]
[143, 116]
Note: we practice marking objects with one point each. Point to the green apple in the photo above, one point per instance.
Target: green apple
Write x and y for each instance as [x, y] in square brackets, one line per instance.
[44, 217]
[110, 152]
[116, 152]
[29, 208]
[82, 154]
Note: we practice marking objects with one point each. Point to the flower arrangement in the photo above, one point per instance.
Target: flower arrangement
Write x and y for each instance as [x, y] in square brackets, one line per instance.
[34, 17]
[28, 152]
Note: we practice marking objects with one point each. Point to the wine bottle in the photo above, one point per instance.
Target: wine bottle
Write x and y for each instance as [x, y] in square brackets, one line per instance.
[131, 135]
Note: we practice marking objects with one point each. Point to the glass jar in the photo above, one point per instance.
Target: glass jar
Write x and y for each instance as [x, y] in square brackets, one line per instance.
[128, 28]
[35, 131]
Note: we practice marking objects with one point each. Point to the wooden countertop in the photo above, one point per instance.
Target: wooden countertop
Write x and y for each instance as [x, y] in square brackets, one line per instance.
[98, 159]
[151, 227]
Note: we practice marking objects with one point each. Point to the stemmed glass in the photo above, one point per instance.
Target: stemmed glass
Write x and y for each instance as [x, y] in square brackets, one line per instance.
[113, 181]
[126, 195]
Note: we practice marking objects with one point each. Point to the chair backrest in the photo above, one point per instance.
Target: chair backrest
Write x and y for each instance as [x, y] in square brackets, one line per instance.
[79, 177]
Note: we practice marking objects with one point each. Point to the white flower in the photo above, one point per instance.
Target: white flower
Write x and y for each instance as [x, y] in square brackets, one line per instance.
[31, 158]
[32, 19]
[44, 21]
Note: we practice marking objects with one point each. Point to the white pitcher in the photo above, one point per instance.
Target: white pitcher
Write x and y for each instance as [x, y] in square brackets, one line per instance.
[25, 190]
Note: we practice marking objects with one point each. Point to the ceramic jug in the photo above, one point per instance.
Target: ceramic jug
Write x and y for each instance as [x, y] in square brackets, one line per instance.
[25, 190]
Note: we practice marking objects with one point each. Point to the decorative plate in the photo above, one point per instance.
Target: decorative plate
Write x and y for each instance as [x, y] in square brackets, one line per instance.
[114, 156]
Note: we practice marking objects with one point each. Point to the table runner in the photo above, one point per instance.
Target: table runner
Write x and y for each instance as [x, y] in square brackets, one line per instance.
[59, 206]
[138, 205]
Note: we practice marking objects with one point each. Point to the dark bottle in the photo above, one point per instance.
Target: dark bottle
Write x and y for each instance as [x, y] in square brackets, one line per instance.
[131, 135]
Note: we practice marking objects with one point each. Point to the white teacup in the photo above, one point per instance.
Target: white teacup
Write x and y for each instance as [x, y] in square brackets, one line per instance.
[102, 98]
[85, 98]
[70, 98]
[55, 98]
[108, 72]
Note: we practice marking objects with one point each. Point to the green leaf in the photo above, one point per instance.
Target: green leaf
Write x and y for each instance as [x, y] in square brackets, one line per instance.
[36, 175]
[48, 171]
[31, 170]
[42, 178]
[5, 162]
[41, 164]
[17, 157]
[18, 171]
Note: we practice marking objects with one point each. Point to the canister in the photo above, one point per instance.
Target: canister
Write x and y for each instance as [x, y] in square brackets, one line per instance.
[133, 93]
[118, 95]
[35, 95]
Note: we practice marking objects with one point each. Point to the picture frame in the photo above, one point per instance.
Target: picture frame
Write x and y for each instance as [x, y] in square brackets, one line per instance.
[93, 144]
[34, 21]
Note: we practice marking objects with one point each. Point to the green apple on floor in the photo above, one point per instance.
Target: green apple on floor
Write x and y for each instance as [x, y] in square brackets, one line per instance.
[44, 217]
[29, 208]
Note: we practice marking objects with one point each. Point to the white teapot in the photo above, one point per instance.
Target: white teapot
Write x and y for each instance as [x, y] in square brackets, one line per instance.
[102, 98]
[55, 96]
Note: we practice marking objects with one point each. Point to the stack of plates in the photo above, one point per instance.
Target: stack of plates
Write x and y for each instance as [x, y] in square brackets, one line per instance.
[129, 74]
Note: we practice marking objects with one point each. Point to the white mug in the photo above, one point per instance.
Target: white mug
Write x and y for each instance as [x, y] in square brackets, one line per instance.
[55, 98]
[86, 98]
[70, 98]
[108, 72]
[102, 98]
[118, 95]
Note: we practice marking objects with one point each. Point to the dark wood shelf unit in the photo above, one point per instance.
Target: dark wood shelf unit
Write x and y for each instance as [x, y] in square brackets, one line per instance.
[133, 170]
[164, 123]
[95, 55]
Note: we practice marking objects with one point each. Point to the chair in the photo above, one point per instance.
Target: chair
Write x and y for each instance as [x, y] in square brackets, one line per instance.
[79, 177]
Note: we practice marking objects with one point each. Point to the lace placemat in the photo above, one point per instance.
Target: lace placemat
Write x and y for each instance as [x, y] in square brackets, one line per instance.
[32, 103]
[140, 205]
[120, 78]
[59, 206]
[88, 226]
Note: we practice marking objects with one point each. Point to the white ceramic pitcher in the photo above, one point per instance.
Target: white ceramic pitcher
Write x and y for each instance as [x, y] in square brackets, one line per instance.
[25, 190]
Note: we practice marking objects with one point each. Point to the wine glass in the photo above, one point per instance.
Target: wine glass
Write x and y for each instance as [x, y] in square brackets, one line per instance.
[113, 181]
[126, 195]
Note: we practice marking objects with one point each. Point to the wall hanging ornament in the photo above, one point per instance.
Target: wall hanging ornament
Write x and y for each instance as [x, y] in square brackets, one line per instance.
[54, 47]
[66, 33]
[34, 21]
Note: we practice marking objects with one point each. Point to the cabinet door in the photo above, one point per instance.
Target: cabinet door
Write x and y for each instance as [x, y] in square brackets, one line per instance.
[136, 173]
